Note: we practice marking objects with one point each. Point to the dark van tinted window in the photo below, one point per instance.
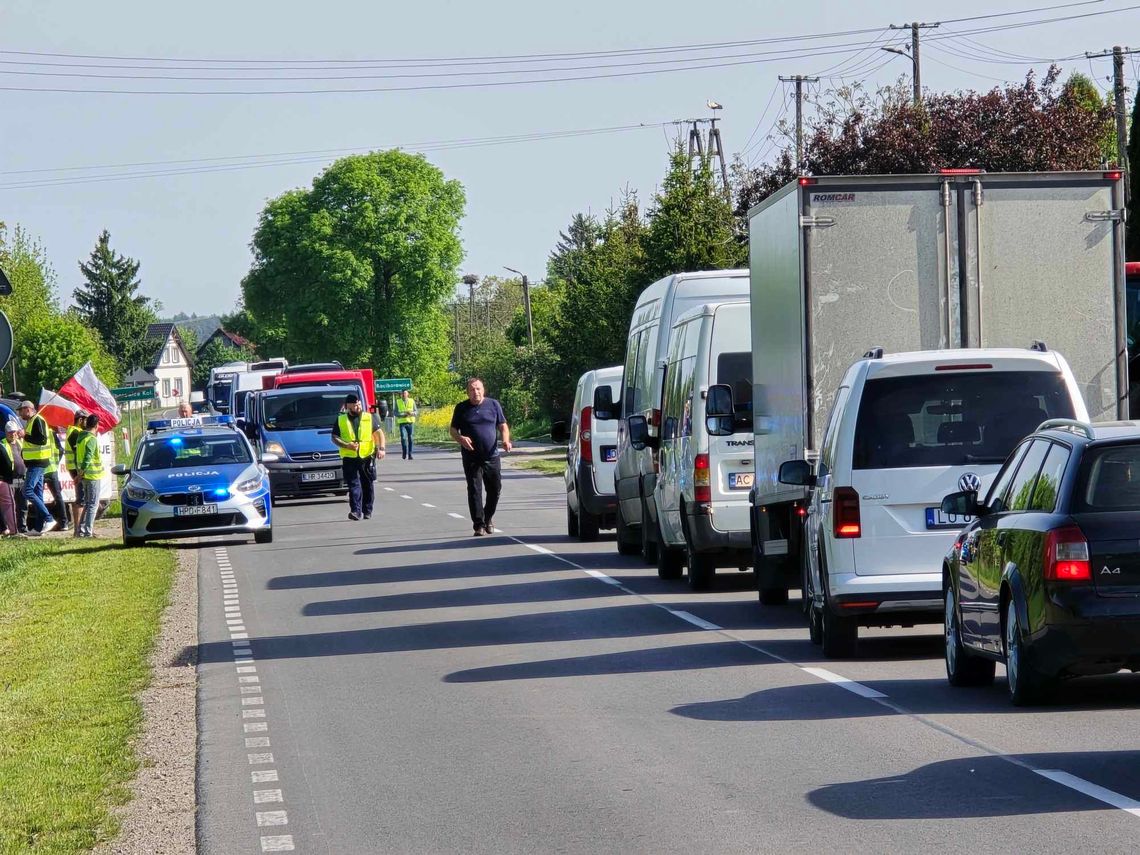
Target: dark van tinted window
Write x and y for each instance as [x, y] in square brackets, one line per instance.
[735, 370]
[952, 418]
[1109, 480]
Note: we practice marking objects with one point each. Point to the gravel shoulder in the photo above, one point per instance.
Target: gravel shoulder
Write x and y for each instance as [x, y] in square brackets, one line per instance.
[160, 817]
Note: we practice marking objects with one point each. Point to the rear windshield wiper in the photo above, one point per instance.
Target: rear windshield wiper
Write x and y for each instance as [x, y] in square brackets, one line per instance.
[984, 458]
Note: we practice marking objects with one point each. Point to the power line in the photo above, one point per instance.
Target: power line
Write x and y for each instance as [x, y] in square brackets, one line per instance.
[760, 121]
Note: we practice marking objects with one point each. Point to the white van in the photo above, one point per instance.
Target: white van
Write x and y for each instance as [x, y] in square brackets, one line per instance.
[590, 457]
[705, 464]
[657, 309]
[905, 430]
[244, 383]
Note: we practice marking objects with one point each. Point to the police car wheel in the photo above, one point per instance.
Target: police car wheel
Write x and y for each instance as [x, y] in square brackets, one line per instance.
[263, 536]
[132, 541]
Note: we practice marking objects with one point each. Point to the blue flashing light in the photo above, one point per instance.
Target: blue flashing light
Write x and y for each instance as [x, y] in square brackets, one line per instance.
[176, 440]
[158, 424]
[221, 492]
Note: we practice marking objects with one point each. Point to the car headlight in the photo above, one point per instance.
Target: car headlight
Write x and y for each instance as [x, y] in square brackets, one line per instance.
[140, 491]
[275, 448]
[250, 485]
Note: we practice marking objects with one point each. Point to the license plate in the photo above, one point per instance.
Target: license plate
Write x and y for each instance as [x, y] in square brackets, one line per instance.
[739, 480]
[199, 511]
[936, 519]
[609, 453]
[325, 475]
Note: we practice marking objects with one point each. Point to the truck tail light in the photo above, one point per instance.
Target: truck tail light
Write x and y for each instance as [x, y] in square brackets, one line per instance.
[1067, 555]
[585, 443]
[1114, 175]
[845, 510]
[702, 491]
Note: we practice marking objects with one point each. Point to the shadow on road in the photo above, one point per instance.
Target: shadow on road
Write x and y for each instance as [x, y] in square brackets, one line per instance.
[467, 569]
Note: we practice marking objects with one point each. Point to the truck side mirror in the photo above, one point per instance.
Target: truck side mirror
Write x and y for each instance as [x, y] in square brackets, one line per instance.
[559, 432]
[797, 473]
[604, 409]
[639, 436]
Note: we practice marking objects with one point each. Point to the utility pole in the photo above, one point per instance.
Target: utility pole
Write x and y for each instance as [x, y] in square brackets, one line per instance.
[1120, 93]
[696, 144]
[526, 305]
[799, 80]
[458, 344]
[914, 56]
[716, 147]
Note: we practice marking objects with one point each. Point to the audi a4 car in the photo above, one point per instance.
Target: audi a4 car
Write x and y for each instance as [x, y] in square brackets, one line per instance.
[1046, 578]
[195, 476]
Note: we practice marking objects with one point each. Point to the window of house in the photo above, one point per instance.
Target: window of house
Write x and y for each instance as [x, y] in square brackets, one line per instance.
[166, 387]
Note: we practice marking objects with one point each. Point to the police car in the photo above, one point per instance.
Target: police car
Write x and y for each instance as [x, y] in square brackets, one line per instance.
[195, 476]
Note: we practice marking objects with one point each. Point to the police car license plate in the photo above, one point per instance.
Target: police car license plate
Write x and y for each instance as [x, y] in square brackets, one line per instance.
[739, 480]
[936, 519]
[199, 511]
[325, 475]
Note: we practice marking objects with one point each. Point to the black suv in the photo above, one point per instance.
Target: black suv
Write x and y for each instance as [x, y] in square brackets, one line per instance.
[1046, 574]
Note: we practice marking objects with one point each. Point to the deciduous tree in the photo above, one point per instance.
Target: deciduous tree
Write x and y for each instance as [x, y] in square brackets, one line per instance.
[53, 347]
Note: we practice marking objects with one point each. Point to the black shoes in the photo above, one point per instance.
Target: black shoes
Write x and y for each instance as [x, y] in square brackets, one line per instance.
[353, 515]
[478, 531]
[489, 529]
[368, 516]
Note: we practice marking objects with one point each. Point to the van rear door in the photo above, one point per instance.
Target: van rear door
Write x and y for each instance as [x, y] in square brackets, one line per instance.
[731, 457]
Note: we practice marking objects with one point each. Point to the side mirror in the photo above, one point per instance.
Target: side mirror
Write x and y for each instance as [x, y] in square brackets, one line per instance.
[269, 457]
[639, 436]
[559, 432]
[718, 400]
[120, 469]
[963, 504]
[719, 425]
[797, 473]
[604, 409]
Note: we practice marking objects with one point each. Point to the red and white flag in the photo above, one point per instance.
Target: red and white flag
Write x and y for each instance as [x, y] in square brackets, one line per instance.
[56, 409]
[92, 394]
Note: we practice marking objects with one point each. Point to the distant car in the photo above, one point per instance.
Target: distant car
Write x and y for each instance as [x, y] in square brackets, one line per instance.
[1046, 578]
[193, 477]
[590, 457]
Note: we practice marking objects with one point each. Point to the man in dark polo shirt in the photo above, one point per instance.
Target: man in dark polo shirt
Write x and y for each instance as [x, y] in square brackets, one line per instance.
[476, 425]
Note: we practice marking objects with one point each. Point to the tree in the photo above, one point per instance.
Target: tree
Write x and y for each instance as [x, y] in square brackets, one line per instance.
[189, 340]
[33, 279]
[53, 347]
[214, 354]
[358, 267]
[110, 303]
[1132, 236]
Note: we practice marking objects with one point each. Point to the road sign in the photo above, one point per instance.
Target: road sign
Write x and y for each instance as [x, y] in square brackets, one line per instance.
[133, 393]
[5, 340]
[393, 384]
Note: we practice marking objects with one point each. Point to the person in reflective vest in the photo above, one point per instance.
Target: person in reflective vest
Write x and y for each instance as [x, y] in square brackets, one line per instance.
[51, 481]
[360, 440]
[406, 413]
[37, 456]
[73, 432]
[90, 465]
[8, 474]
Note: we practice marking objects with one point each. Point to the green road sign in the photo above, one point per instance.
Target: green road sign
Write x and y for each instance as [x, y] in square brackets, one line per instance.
[133, 393]
[393, 384]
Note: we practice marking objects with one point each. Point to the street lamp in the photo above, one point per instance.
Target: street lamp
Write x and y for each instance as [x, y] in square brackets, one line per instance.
[916, 80]
[526, 304]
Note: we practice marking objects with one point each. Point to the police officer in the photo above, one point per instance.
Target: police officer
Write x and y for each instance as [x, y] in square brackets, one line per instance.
[38, 443]
[406, 413]
[359, 437]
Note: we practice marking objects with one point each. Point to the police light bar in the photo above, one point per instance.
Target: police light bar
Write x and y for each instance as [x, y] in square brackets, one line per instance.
[191, 422]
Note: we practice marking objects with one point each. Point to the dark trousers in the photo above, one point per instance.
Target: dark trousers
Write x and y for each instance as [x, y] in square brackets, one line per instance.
[8, 507]
[407, 430]
[58, 507]
[480, 474]
[21, 504]
[359, 476]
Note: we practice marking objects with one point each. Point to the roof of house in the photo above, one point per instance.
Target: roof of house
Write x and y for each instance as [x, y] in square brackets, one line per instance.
[159, 333]
[233, 338]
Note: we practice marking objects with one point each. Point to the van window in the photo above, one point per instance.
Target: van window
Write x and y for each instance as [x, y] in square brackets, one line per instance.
[953, 419]
[735, 370]
[646, 356]
[1110, 479]
[830, 436]
[629, 375]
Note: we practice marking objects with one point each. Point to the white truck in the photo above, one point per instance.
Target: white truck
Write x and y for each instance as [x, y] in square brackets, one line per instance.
[842, 265]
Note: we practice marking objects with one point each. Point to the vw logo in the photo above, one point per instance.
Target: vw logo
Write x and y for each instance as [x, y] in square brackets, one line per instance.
[969, 483]
[316, 455]
[194, 488]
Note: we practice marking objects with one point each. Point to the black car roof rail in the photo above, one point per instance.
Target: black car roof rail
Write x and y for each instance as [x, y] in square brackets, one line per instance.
[1068, 424]
[874, 353]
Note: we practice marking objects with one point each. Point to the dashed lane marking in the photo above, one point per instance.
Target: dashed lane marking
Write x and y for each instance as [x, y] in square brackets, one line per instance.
[454, 515]
[844, 683]
[427, 505]
[688, 617]
[402, 496]
[277, 843]
[1091, 790]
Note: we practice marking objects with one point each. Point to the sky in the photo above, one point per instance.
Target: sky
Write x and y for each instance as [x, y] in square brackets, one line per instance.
[203, 165]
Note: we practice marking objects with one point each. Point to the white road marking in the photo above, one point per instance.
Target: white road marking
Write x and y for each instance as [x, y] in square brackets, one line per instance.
[843, 682]
[272, 817]
[1091, 790]
[455, 515]
[277, 843]
[247, 669]
[265, 797]
[250, 702]
[263, 776]
[402, 496]
[257, 742]
[427, 505]
[231, 609]
[600, 576]
[253, 713]
[390, 489]
[251, 690]
[250, 679]
[239, 634]
[689, 617]
[256, 727]
[238, 661]
[258, 759]
[541, 550]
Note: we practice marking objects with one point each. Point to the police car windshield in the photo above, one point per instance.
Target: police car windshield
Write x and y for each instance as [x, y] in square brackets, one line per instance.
[301, 410]
[181, 451]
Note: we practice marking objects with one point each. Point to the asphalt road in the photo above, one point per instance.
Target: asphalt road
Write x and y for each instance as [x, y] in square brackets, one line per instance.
[396, 685]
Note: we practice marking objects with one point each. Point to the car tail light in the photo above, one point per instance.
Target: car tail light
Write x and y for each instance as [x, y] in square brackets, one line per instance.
[701, 481]
[655, 418]
[845, 508]
[585, 444]
[1067, 555]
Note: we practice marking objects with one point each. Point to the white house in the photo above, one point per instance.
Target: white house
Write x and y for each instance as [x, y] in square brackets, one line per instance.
[168, 370]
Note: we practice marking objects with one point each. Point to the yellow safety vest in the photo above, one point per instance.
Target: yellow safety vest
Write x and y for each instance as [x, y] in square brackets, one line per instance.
[405, 414]
[344, 428]
[6, 447]
[34, 453]
[68, 448]
[89, 459]
[53, 461]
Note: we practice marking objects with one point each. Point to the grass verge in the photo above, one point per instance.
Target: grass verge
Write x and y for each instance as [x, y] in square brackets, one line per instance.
[545, 465]
[77, 621]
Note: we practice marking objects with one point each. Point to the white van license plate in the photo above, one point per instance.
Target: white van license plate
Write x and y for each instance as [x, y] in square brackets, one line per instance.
[739, 480]
[196, 511]
[936, 519]
[609, 453]
[326, 475]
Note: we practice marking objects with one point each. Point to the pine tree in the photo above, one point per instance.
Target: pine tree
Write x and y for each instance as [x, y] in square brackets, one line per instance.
[110, 304]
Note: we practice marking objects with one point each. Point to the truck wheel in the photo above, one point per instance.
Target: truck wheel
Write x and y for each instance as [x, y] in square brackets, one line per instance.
[648, 545]
[702, 569]
[815, 625]
[571, 521]
[628, 542]
[839, 635]
[265, 535]
[588, 523]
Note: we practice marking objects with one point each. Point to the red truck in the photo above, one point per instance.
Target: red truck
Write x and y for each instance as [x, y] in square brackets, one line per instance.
[327, 374]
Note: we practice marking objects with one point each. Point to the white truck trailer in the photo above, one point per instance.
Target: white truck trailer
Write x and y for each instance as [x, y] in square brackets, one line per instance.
[842, 264]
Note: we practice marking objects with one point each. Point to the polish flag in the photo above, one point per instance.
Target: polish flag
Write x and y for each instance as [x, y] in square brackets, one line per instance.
[92, 394]
[56, 409]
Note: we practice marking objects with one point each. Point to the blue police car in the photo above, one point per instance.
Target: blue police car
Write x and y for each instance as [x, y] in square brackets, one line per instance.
[192, 477]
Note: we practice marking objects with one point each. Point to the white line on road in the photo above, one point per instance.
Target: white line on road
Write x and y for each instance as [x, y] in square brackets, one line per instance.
[687, 616]
[455, 515]
[264, 797]
[255, 727]
[1091, 790]
[597, 574]
[390, 489]
[258, 759]
[272, 817]
[843, 682]
[257, 742]
[426, 505]
[263, 776]
[541, 550]
[277, 843]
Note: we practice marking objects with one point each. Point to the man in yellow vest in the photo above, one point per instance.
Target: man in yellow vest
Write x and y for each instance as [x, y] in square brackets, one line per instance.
[90, 465]
[73, 432]
[406, 413]
[359, 437]
[38, 444]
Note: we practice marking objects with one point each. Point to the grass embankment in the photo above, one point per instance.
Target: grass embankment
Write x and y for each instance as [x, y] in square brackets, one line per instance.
[432, 428]
[554, 466]
[77, 622]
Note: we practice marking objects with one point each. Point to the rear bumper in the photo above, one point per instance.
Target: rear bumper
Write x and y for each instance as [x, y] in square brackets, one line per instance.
[888, 599]
[1084, 635]
[288, 479]
[707, 539]
[595, 501]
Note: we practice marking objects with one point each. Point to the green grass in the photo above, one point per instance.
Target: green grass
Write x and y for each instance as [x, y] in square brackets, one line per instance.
[77, 622]
[545, 465]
